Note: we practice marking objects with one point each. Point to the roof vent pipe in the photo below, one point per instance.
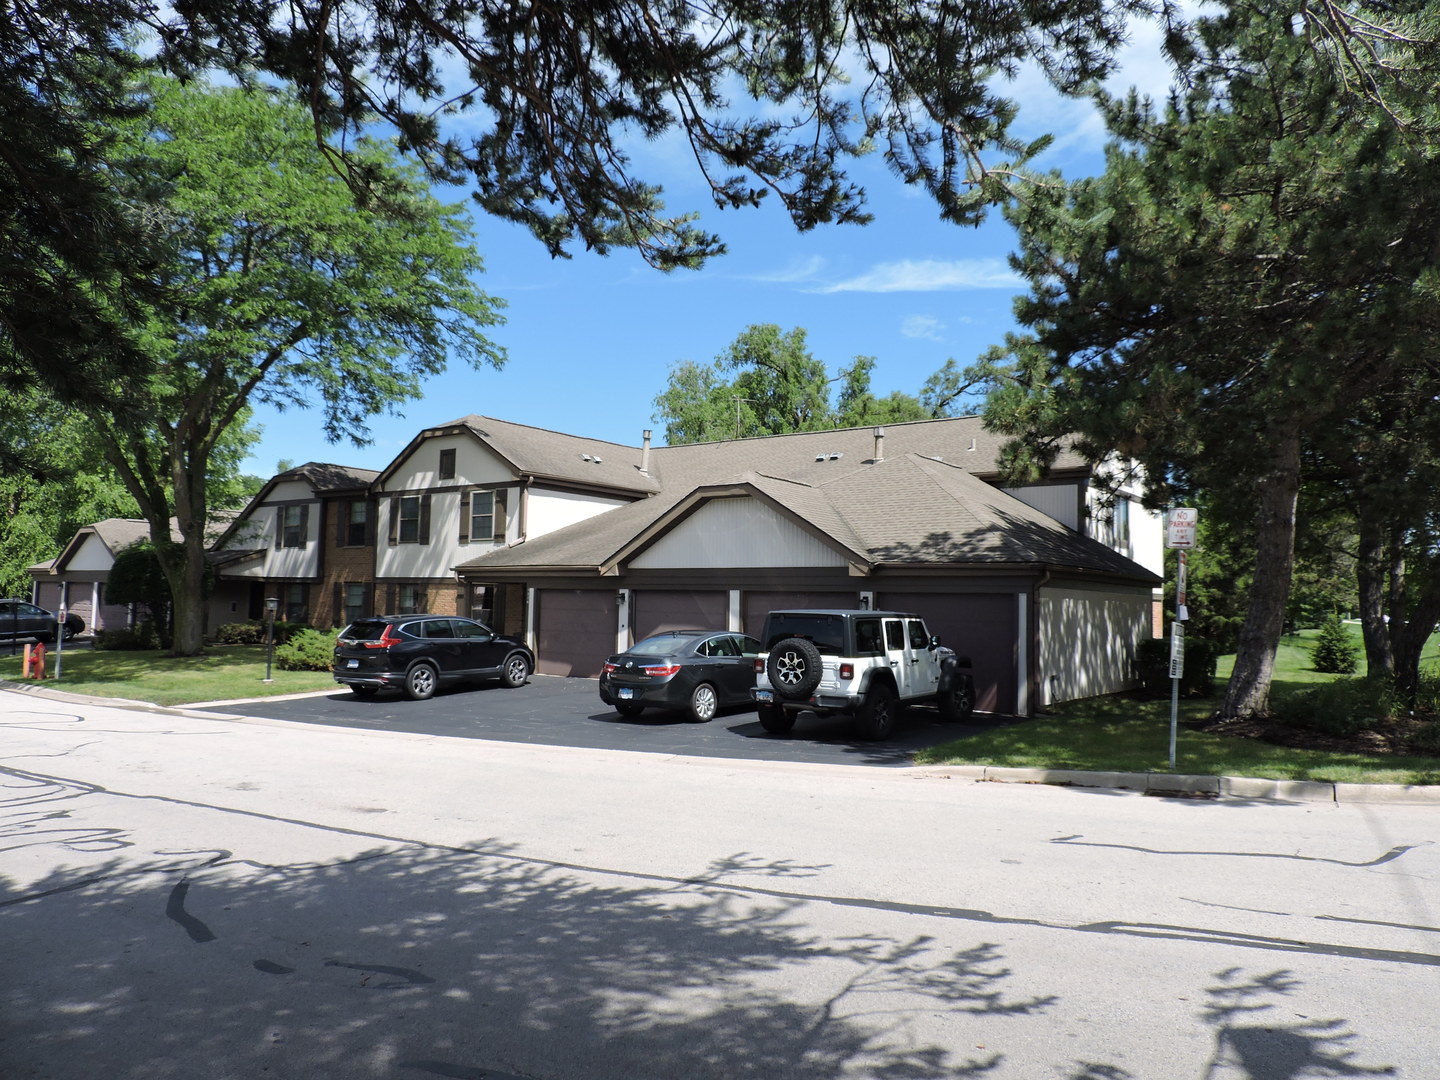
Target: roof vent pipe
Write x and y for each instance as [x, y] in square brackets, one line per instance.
[645, 452]
[879, 443]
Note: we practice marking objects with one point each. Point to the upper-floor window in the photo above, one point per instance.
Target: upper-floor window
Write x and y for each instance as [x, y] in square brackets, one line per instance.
[357, 517]
[292, 526]
[483, 516]
[409, 524]
[1122, 523]
[447, 464]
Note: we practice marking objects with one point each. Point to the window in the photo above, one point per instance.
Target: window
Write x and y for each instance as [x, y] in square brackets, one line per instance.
[918, 639]
[1121, 515]
[292, 526]
[409, 519]
[447, 464]
[482, 515]
[354, 601]
[894, 634]
[356, 519]
[293, 604]
[411, 600]
[482, 603]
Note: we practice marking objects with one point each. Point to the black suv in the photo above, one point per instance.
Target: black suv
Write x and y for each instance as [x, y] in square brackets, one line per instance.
[419, 653]
[22, 619]
[866, 664]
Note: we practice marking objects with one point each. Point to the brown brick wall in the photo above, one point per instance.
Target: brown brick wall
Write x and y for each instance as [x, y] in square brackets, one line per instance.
[341, 565]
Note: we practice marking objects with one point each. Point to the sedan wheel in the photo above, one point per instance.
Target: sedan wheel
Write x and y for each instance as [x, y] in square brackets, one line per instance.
[703, 703]
[420, 682]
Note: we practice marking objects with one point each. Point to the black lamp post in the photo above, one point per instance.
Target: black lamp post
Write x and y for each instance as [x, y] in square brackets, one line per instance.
[272, 605]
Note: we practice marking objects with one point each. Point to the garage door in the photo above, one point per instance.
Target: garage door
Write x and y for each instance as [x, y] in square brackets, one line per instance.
[981, 626]
[677, 610]
[758, 604]
[574, 630]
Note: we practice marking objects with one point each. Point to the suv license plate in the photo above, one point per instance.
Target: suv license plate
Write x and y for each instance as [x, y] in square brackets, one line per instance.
[352, 663]
[764, 695]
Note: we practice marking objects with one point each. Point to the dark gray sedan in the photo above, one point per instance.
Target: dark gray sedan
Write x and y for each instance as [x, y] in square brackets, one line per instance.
[22, 619]
[698, 672]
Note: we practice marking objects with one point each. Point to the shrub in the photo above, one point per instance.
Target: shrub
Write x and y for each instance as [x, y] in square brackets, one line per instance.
[1426, 738]
[1335, 650]
[1342, 707]
[1152, 663]
[142, 636]
[307, 650]
[240, 633]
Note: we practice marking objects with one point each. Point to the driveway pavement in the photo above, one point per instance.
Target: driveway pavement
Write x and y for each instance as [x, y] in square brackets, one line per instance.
[554, 711]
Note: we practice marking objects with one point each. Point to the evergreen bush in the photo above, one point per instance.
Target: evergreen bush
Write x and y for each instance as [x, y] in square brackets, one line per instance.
[307, 650]
[1336, 652]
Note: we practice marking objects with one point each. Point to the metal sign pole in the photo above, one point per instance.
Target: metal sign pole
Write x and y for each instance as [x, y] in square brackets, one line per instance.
[1180, 529]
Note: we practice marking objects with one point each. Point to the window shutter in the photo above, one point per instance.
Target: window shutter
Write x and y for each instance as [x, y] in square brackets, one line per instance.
[369, 600]
[500, 500]
[371, 510]
[389, 598]
[394, 520]
[305, 525]
[341, 507]
[425, 518]
[337, 613]
[279, 527]
[465, 517]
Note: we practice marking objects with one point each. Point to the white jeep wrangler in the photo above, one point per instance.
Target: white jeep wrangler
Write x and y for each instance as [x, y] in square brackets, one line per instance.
[866, 664]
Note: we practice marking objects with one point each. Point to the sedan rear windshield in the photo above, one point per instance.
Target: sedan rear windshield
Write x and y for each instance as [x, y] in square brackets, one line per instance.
[826, 631]
[661, 645]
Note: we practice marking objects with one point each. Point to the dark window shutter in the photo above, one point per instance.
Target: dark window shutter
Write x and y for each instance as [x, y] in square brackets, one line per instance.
[465, 517]
[425, 518]
[304, 525]
[369, 599]
[394, 519]
[337, 613]
[500, 500]
[371, 510]
[279, 527]
[341, 509]
[389, 598]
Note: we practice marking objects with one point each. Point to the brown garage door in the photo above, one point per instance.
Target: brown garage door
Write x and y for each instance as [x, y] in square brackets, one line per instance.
[981, 626]
[574, 630]
[659, 610]
[758, 604]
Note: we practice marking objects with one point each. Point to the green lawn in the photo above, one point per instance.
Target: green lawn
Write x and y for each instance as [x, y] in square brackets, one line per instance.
[225, 672]
[1122, 734]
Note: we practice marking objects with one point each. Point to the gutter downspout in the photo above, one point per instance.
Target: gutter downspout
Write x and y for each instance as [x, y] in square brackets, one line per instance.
[1038, 681]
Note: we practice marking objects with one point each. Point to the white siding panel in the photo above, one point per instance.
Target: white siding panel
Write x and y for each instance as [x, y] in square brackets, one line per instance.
[549, 510]
[1088, 639]
[474, 464]
[290, 491]
[1059, 501]
[433, 560]
[92, 556]
[733, 533]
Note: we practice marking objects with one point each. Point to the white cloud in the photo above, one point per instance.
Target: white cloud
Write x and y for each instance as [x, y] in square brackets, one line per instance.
[796, 272]
[929, 275]
[925, 327]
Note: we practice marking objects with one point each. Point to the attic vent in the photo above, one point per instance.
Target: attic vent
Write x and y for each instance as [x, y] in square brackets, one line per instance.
[597, 460]
[836, 457]
[586, 457]
[972, 445]
[821, 456]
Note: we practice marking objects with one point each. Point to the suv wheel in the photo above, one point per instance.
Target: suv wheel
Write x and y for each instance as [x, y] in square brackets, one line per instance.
[794, 668]
[517, 670]
[774, 719]
[876, 717]
[957, 703]
[420, 682]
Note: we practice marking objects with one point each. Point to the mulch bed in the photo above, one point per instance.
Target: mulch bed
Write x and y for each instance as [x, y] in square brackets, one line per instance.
[1390, 738]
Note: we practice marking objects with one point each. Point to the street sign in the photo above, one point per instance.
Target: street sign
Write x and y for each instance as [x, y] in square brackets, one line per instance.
[1177, 651]
[1183, 561]
[1180, 526]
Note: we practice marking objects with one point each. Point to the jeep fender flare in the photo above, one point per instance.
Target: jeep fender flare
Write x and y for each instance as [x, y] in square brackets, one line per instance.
[953, 669]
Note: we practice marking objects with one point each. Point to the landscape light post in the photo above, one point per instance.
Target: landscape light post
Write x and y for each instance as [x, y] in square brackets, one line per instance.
[272, 605]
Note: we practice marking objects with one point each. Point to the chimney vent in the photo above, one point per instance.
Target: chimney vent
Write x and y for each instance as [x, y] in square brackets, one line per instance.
[879, 443]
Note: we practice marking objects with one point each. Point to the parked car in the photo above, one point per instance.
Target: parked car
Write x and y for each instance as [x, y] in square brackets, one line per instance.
[420, 653]
[860, 663]
[699, 672]
[22, 619]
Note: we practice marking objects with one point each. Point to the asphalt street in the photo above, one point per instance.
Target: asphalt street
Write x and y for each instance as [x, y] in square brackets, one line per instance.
[186, 896]
[554, 711]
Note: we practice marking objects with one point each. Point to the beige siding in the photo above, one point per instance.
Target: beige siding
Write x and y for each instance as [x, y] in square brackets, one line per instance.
[1087, 640]
[736, 533]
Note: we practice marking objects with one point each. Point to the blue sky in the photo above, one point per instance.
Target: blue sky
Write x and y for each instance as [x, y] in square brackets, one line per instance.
[592, 339]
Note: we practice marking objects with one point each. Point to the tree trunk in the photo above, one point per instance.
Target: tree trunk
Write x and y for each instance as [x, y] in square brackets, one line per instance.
[1370, 572]
[1248, 693]
[187, 581]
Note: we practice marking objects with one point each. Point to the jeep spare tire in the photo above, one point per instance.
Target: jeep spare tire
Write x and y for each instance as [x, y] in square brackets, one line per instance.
[794, 668]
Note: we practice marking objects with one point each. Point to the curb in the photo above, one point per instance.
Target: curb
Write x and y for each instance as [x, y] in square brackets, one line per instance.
[1165, 785]
[1176, 785]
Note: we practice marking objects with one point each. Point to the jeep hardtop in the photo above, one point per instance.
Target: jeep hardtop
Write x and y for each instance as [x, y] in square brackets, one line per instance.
[862, 663]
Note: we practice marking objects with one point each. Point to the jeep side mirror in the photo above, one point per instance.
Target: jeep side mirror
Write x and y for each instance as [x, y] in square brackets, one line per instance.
[934, 641]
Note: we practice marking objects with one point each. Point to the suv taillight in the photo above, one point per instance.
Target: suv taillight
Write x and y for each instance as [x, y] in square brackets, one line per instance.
[384, 641]
[759, 666]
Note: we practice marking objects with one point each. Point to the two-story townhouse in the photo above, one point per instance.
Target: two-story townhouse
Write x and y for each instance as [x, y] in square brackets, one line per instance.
[1049, 588]
[307, 539]
[476, 485]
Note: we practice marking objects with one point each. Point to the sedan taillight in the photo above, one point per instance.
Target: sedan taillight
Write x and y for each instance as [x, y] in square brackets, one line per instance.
[660, 671]
[610, 668]
[384, 641]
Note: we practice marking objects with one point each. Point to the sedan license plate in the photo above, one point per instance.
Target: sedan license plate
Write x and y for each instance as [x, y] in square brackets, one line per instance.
[764, 695]
[352, 663]
[626, 693]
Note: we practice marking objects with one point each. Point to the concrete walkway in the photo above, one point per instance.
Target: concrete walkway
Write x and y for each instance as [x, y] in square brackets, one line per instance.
[1167, 785]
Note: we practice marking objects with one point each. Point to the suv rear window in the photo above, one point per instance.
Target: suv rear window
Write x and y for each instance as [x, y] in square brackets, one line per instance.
[827, 632]
[364, 630]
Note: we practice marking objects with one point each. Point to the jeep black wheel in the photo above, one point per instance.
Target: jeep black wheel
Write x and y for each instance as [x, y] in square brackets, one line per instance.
[774, 719]
[958, 703]
[794, 668]
[875, 719]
